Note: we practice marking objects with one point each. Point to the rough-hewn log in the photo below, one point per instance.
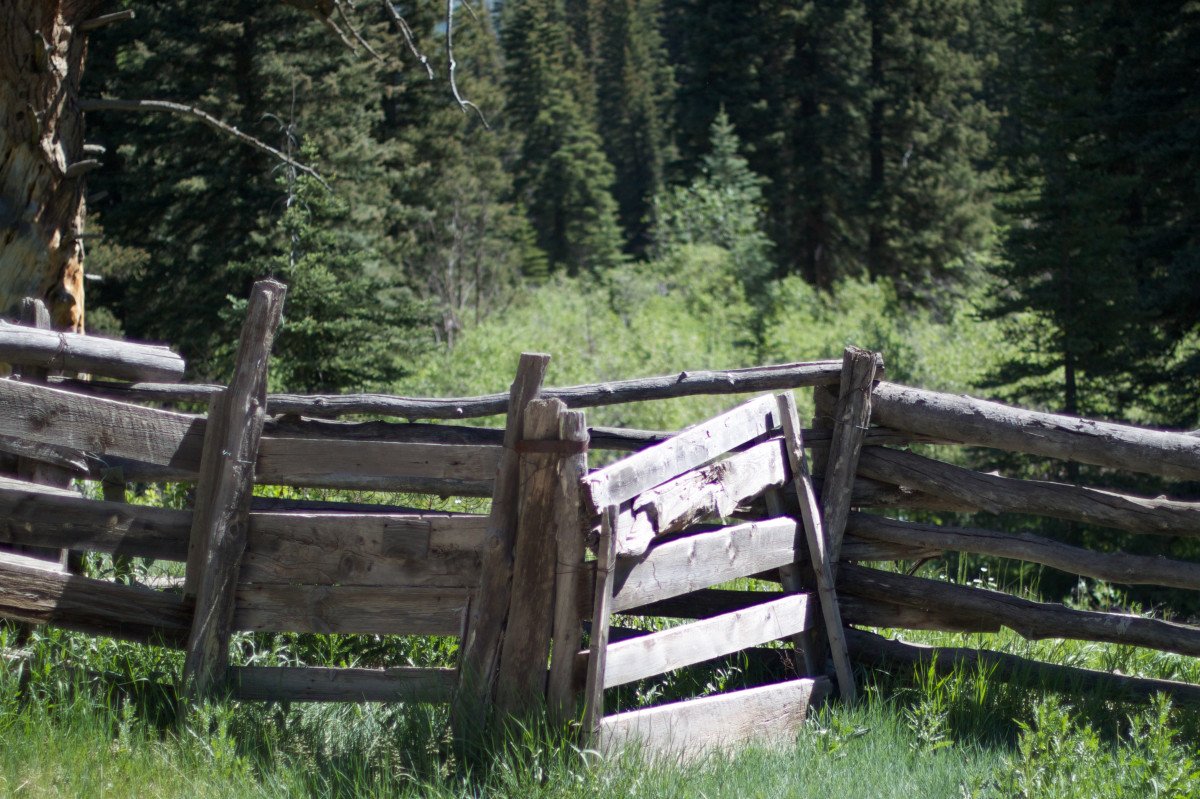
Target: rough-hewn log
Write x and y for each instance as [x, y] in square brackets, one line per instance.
[525, 650]
[711, 491]
[360, 609]
[39, 592]
[312, 684]
[1003, 494]
[71, 352]
[1117, 567]
[682, 384]
[363, 549]
[1031, 620]
[703, 640]
[486, 618]
[879, 651]
[990, 424]
[698, 561]
[602, 609]
[704, 603]
[72, 522]
[689, 449]
[220, 520]
[818, 544]
[571, 532]
[852, 417]
[13, 484]
[687, 730]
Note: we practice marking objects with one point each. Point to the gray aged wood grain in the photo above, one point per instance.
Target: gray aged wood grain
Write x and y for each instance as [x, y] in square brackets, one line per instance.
[715, 490]
[703, 640]
[698, 561]
[363, 549]
[851, 420]
[1116, 567]
[818, 544]
[486, 618]
[73, 352]
[1002, 494]
[571, 530]
[1031, 620]
[991, 424]
[363, 609]
[221, 518]
[525, 650]
[687, 730]
[691, 448]
[602, 609]
[879, 651]
[39, 592]
[316, 684]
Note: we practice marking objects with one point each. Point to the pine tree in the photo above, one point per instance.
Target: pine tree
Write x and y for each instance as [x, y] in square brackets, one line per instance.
[722, 207]
[345, 328]
[633, 90]
[562, 176]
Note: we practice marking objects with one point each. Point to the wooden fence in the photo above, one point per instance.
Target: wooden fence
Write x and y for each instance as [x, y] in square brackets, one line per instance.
[564, 549]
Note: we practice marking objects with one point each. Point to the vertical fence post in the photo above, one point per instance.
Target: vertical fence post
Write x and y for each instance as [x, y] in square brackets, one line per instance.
[791, 577]
[571, 529]
[525, 650]
[488, 610]
[606, 562]
[34, 314]
[852, 417]
[223, 493]
[818, 544]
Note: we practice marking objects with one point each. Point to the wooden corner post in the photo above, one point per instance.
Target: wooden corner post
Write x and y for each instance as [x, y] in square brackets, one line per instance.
[223, 491]
[488, 611]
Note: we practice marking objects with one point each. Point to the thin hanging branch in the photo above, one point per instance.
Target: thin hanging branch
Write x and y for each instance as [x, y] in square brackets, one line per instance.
[463, 103]
[340, 7]
[406, 31]
[106, 104]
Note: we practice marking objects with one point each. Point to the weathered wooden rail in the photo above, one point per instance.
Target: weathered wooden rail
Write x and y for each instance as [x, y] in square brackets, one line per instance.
[671, 530]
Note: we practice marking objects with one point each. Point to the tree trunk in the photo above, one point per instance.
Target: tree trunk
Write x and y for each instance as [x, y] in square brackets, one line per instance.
[41, 136]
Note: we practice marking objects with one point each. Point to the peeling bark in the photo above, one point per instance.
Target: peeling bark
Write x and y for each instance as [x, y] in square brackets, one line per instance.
[41, 136]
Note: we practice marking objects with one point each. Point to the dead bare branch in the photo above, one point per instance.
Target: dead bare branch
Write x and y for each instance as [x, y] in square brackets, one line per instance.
[113, 104]
[406, 31]
[464, 104]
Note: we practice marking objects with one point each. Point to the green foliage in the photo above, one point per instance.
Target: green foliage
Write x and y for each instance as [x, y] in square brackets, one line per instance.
[344, 326]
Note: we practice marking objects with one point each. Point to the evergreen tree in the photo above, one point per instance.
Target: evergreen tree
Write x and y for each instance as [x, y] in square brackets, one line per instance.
[722, 207]
[345, 327]
[561, 174]
[633, 91]
[193, 201]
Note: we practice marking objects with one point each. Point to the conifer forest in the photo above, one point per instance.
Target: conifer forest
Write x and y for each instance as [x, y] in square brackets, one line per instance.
[1000, 196]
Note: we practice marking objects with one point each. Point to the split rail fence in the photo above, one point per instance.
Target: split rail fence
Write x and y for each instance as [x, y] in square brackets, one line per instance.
[532, 587]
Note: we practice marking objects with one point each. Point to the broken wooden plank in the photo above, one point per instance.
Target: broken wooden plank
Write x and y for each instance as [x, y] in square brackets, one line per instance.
[990, 424]
[691, 448]
[316, 684]
[220, 520]
[676, 647]
[715, 490]
[698, 561]
[74, 352]
[687, 730]
[1116, 567]
[997, 494]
